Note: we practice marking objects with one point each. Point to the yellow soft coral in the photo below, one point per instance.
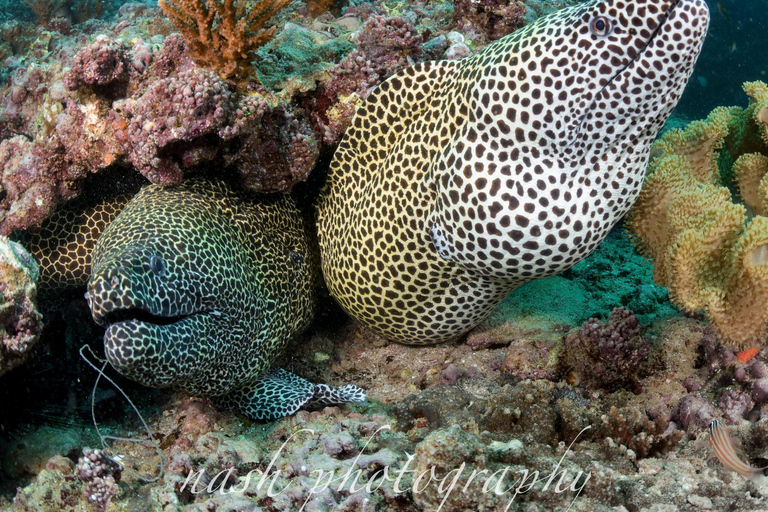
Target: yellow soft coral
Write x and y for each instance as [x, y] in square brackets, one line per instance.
[708, 248]
[223, 34]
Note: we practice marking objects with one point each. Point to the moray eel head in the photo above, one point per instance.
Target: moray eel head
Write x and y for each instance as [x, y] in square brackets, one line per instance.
[200, 286]
[152, 304]
[558, 132]
[458, 181]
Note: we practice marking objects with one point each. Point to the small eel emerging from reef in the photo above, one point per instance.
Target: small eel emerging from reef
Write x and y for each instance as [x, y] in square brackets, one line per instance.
[200, 287]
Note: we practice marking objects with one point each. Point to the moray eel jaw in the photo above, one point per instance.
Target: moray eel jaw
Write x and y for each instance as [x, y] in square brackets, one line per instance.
[136, 283]
[137, 348]
[560, 122]
[112, 303]
[152, 311]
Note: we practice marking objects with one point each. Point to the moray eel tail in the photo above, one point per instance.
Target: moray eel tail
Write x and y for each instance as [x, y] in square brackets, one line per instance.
[279, 393]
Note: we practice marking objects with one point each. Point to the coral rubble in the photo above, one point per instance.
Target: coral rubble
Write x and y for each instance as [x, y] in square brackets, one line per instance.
[700, 216]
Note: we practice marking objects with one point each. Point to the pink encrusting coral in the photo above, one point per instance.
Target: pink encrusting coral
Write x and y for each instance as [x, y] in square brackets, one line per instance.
[34, 179]
[490, 18]
[167, 125]
[390, 43]
[605, 354]
[99, 473]
[102, 62]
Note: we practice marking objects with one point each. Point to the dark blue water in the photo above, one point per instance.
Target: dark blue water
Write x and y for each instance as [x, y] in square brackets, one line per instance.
[736, 51]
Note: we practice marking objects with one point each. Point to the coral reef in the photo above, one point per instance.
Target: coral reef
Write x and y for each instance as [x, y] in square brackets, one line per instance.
[100, 474]
[699, 217]
[177, 112]
[98, 98]
[20, 322]
[488, 20]
[297, 59]
[390, 43]
[605, 355]
[492, 18]
[454, 407]
[223, 34]
[126, 93]
[103, 62]
[45, 10]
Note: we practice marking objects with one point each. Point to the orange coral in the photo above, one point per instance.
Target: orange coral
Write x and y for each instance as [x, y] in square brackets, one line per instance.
[220, 34]
[45, 10]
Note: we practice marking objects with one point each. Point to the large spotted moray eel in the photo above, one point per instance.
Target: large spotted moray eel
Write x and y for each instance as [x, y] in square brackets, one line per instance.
[200, 287]
[458, 181]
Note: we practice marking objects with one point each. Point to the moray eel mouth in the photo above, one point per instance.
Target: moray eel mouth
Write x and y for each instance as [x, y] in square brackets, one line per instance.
[624, 77]
[146, 323]
[138, 315]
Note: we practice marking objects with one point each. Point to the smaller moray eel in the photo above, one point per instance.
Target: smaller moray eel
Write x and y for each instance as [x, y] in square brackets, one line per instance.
[458, 181]
[200, 287]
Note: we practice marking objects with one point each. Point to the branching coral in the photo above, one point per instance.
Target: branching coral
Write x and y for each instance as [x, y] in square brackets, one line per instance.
[222, 34]
[45, 10]
[83, 10]
[700, 216]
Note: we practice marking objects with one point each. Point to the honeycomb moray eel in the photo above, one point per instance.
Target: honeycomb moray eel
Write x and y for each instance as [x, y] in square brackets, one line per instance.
[200, 287]
[458, 181]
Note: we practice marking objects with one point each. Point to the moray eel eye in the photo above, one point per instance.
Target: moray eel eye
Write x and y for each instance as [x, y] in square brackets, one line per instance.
[296, 258]
[601, 26]
[157, 265]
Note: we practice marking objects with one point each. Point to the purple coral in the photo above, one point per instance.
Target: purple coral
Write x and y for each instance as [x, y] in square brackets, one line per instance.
[100, 63]
[100, 474]
[389, 44]
[718, 356]
[760, 391]
[32, 181]
[734, 405]
[20, 322]
[695, 413]
[617, 343]
[606, 354]
[491, 19]
[169, 121]
[276, 150]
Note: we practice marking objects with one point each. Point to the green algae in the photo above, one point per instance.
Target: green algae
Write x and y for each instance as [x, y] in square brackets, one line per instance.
[613, 275]
[297, 55]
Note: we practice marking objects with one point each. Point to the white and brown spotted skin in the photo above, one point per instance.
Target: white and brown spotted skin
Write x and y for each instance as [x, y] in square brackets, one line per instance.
[459, 181]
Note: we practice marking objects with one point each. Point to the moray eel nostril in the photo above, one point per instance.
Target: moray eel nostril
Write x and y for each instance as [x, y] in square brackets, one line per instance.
[461, 180]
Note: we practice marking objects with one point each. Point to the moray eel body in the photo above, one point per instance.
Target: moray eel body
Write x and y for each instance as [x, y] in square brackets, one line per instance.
[63, 243]
[200, 287]
[460, 180]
